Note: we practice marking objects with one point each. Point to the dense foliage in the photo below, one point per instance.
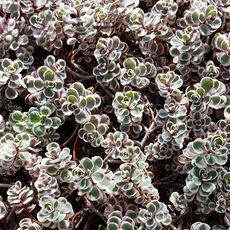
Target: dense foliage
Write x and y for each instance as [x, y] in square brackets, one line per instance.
[115, 115]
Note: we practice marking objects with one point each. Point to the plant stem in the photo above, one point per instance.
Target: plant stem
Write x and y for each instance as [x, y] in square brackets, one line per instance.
[169, 183]
[172, 227]
[80, 69]
[5, 185]
[107, 91]
[71, 137]
[79, 76]
[86, 78]
[74, 153]
[107, 157]
[112, 161]
[10, 214]
[166, 178]
[148, 132]
[93, 209]
[90, 206]
[88, 223]
[79, 222]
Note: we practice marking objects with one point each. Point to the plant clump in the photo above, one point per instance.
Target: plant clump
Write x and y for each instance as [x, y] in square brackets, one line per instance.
[115, 115]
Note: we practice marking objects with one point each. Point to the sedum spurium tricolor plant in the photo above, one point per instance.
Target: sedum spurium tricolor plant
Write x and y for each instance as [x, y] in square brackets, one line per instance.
[115, 115]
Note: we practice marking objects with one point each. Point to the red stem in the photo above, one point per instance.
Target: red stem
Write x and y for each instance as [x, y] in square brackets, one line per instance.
[71, 137]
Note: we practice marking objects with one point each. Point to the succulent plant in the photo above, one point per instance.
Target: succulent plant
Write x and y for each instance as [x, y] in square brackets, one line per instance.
[128, 108]
[199, 122]
[222, 5]
[18, 196]
[224, 183]
[166, 8]
[7, 28]
[209, 92]
[221, 204]
[15, 151]
[46, 30]
[187, 46]
[54, 213]
[210, 70]
[44, 85]
[28, 224]
[179, 202]
[132, 155]
[78, 17]
[38, 121]
[148, 25]
[3, 210]
[200, 185]
[94, 129]
[117, 208]
[210, 151]
[145, 86]
[135, 183]
[2, 124]
[28, 8]
[57, 162]
[11, 7]
[175, 131]
[155, 216]
[10, 75]
[173, 136]
[110, 48]
[42, 120]
[200, 225]
[222, 44]
[33, 165]
[154, 47]
[124, 8]
[57, 66]
[13, 31]
[108, 13]
[203, 16]
[47, 185]
[168, 83]
[159, 150]
[135, 72]
[227, 112]
[118, 221]
[172, 118]
[173, 109]
[25, 56]
[116, 142]
[80, 102]
[108, 51]
[93, 180]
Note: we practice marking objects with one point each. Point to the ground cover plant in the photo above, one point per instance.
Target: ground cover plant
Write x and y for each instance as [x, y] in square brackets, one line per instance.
[114, 114]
